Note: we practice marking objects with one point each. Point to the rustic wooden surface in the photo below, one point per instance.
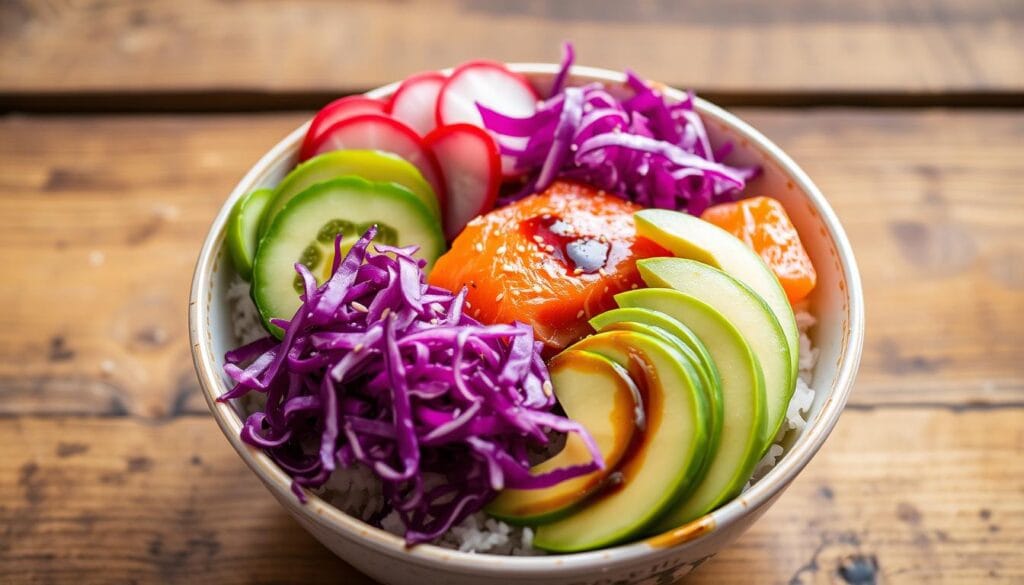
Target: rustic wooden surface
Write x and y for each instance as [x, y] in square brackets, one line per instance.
[731, 48]
[111, 469]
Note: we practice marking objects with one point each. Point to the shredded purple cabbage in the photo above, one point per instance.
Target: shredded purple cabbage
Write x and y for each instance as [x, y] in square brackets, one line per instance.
[378, 368]
[645, 148]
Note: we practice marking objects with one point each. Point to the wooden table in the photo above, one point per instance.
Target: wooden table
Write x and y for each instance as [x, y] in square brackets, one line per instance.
[126, 124]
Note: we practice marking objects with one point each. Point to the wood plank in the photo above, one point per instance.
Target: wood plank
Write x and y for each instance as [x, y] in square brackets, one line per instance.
[736, 48]
[101, 219]
[120, 500]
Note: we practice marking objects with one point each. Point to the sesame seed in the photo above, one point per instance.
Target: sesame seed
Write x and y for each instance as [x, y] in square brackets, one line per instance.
[634, 287]
[479, 247]
[498, 298]
[538, 239]
[385, 312]
[602, 271]
[358, 348]
[359, 306]
[547, 388]
[434, 321]
[469, 305]
[606, 289]
[549, 248]
[579, 315]
[546, 216]
[578, 271]
[501, 250]
[520, 248]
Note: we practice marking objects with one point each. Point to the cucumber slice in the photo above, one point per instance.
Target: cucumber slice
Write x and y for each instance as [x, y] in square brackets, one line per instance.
[243, 229]
[372, 165]
[305, 229]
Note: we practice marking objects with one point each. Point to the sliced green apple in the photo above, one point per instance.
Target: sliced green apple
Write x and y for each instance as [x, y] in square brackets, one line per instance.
[659, 324]
[658, 466]
[599, 394]
[687, 236]
[743, 400]
[744, 309]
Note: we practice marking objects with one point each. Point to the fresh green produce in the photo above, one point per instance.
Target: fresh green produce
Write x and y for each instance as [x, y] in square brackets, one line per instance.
[690, 237]
[660, 467]
[243, 229]
[744, 309]
[688, 343]
[372, 165]
[743, 400]
[305, 229]
[599, 394]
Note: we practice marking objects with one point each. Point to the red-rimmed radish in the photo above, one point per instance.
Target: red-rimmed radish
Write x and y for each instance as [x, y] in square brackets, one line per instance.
[334, 112]
[493, 85]
[471, 165]
[486, 82]
[415, 101]
[381, 132]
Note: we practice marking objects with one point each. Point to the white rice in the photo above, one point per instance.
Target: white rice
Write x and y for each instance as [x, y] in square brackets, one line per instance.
[357, 491]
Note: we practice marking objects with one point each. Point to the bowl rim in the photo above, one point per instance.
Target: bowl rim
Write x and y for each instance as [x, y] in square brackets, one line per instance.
[318, 512]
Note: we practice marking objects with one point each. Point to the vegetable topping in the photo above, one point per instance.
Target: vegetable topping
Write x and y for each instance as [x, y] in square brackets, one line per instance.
[378, 368]
[645, 148]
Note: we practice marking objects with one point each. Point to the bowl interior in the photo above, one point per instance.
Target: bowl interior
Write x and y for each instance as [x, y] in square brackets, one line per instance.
[835, 302]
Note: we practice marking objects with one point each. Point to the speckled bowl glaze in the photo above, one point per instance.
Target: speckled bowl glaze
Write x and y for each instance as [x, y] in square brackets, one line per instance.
[837, 302]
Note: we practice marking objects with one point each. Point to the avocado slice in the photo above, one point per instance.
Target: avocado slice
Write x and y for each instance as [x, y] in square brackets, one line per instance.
[659, 324]
[660, 464]
[372, 165]
[742, 307]
[743, 400]
[599, 394]
[690, 237]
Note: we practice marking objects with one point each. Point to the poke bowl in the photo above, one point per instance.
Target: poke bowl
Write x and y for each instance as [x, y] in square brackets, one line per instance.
[517, 527]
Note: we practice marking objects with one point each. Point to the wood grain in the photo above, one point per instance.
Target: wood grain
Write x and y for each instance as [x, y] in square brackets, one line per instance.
[261, 50]
[101, 220]
[120, 500]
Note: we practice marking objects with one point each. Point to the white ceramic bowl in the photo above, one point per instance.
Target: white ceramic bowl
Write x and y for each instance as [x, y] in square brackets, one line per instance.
[837, 302]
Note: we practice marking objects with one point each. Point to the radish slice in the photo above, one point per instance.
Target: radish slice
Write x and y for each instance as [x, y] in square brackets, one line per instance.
[471, 166]
[415, 101]
[491, 84]
[336, 111]
[380, 132]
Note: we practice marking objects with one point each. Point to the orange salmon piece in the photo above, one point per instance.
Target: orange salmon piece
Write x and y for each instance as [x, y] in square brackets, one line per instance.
[763, 224]
[551, 260]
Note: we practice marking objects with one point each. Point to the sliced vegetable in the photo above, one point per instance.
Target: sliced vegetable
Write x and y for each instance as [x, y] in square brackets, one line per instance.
[305, 230]
[471, 166]
[666, 460]
[380, 132]
[762, 224]
[336, 111]
[372, 165]
[599, 394]
[743, 402]
[377, 368]
[645, 148]
[243, 229]
[415, 101]
[489, 84]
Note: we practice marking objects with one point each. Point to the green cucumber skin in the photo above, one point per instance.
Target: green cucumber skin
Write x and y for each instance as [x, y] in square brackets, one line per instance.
[352, 196]
[375, 165]
[242, 237]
